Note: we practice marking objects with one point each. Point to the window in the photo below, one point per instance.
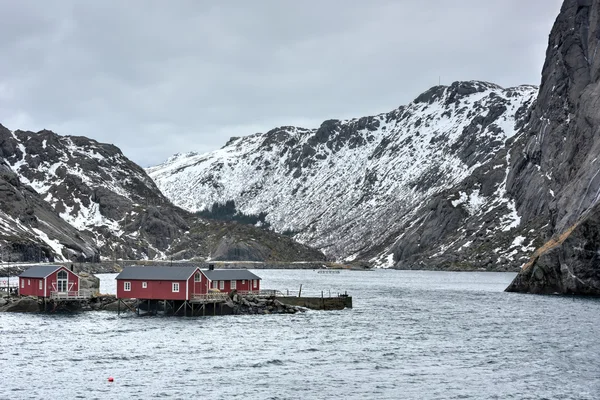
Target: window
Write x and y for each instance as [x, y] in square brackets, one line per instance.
[255, 283]
[127, 286]
[233, 284]
[40, 284]
[28, 282]
[243, 281]
[197, 277]
[22, 283]
[215, 284]
[222, 285]
[175, 287]
[144, 285]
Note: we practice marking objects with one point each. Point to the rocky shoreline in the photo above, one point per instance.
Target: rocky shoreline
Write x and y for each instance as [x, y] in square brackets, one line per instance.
[237, 304]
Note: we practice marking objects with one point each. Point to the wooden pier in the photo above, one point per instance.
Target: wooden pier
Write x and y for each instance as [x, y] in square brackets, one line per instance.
[219, 303]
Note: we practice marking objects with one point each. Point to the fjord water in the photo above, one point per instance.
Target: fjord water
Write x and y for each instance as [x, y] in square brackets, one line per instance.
[411, 335]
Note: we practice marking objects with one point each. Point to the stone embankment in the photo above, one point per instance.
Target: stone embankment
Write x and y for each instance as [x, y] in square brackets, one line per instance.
[33, 304]
[258, 305]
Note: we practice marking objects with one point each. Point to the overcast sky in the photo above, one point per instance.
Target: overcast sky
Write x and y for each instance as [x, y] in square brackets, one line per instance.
[160, 77]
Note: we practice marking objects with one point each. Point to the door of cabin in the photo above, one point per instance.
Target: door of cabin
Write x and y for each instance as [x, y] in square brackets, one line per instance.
[62, 282]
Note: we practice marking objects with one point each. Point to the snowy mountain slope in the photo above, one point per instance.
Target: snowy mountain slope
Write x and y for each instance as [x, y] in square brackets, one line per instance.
[29, 227]
[108, 198]
[352, 188]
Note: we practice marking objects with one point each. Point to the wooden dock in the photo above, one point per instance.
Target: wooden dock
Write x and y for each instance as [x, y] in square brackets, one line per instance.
[84, 294]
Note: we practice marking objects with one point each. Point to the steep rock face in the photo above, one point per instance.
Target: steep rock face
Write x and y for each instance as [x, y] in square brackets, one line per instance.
[556, 170]
[30, 230]
[567, 263]
[377, 187]
[114, 204]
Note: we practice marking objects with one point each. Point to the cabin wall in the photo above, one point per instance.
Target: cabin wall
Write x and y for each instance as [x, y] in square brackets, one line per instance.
[51, 285]
[31, 287]
[198, 287]
[156, 290]
[241, 286]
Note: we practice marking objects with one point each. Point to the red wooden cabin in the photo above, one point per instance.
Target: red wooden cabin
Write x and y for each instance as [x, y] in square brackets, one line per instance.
[48, 280]
[181, 283]
[227, 280]
[158, 283]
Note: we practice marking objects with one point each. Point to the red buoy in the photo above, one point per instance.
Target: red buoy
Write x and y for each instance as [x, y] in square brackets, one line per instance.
[110, 379]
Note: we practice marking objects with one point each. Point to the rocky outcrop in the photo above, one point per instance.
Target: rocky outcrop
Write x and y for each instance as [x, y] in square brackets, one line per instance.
[257, 305]
[21, 305]
[555, 172]
[568, 263]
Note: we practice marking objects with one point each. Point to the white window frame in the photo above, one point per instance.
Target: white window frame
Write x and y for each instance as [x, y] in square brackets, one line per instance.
[197, 277]
[22, 283]
[254, 283]
[40, 285]
[243, 281]
[175, 287]
[28, 282]
[214, 284]
[221, 285]
[144, 285]
[233, 285]
[127, 286]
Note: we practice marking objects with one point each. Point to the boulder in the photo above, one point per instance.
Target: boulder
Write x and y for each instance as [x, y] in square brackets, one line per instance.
[25, 304]
[114, 306]
[88, 281]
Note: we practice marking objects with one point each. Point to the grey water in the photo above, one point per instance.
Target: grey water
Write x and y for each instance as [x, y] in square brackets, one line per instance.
[410, 335]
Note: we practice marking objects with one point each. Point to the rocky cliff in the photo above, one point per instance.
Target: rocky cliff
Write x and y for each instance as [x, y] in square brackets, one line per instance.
[555, 174]
[104, 205]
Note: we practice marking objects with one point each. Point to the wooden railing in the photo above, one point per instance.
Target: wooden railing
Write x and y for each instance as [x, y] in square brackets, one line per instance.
[222, 296]
[72, 295]
[261, 293]
[210, 297]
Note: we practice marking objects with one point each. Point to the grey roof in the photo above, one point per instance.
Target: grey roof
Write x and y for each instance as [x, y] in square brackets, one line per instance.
[41, 271]
[157, 273]
[229, 274]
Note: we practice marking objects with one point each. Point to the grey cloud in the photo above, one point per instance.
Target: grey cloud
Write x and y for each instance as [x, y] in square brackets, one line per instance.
[157, 77]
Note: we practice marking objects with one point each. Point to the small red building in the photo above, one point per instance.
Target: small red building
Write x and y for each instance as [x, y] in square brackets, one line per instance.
[158, 283]
[46, 280]
[227, 280]
[180, 283]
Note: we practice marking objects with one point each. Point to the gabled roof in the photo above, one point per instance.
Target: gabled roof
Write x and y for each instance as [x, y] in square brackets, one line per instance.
[229, 274]
[157, 273]
[41, 271]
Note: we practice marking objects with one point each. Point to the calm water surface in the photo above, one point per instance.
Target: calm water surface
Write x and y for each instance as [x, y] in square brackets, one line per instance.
[411, 335]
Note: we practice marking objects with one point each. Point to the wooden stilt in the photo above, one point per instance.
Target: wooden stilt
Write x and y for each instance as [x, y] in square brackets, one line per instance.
[119, 307]
[178, 308]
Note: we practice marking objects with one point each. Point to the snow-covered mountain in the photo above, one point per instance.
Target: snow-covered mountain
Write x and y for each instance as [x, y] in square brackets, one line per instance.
[32, 228]
[95, 193]
[364, 188]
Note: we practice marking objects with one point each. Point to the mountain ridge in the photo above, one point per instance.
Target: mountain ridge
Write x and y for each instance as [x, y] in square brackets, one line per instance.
[268, 172]
[93, 191]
